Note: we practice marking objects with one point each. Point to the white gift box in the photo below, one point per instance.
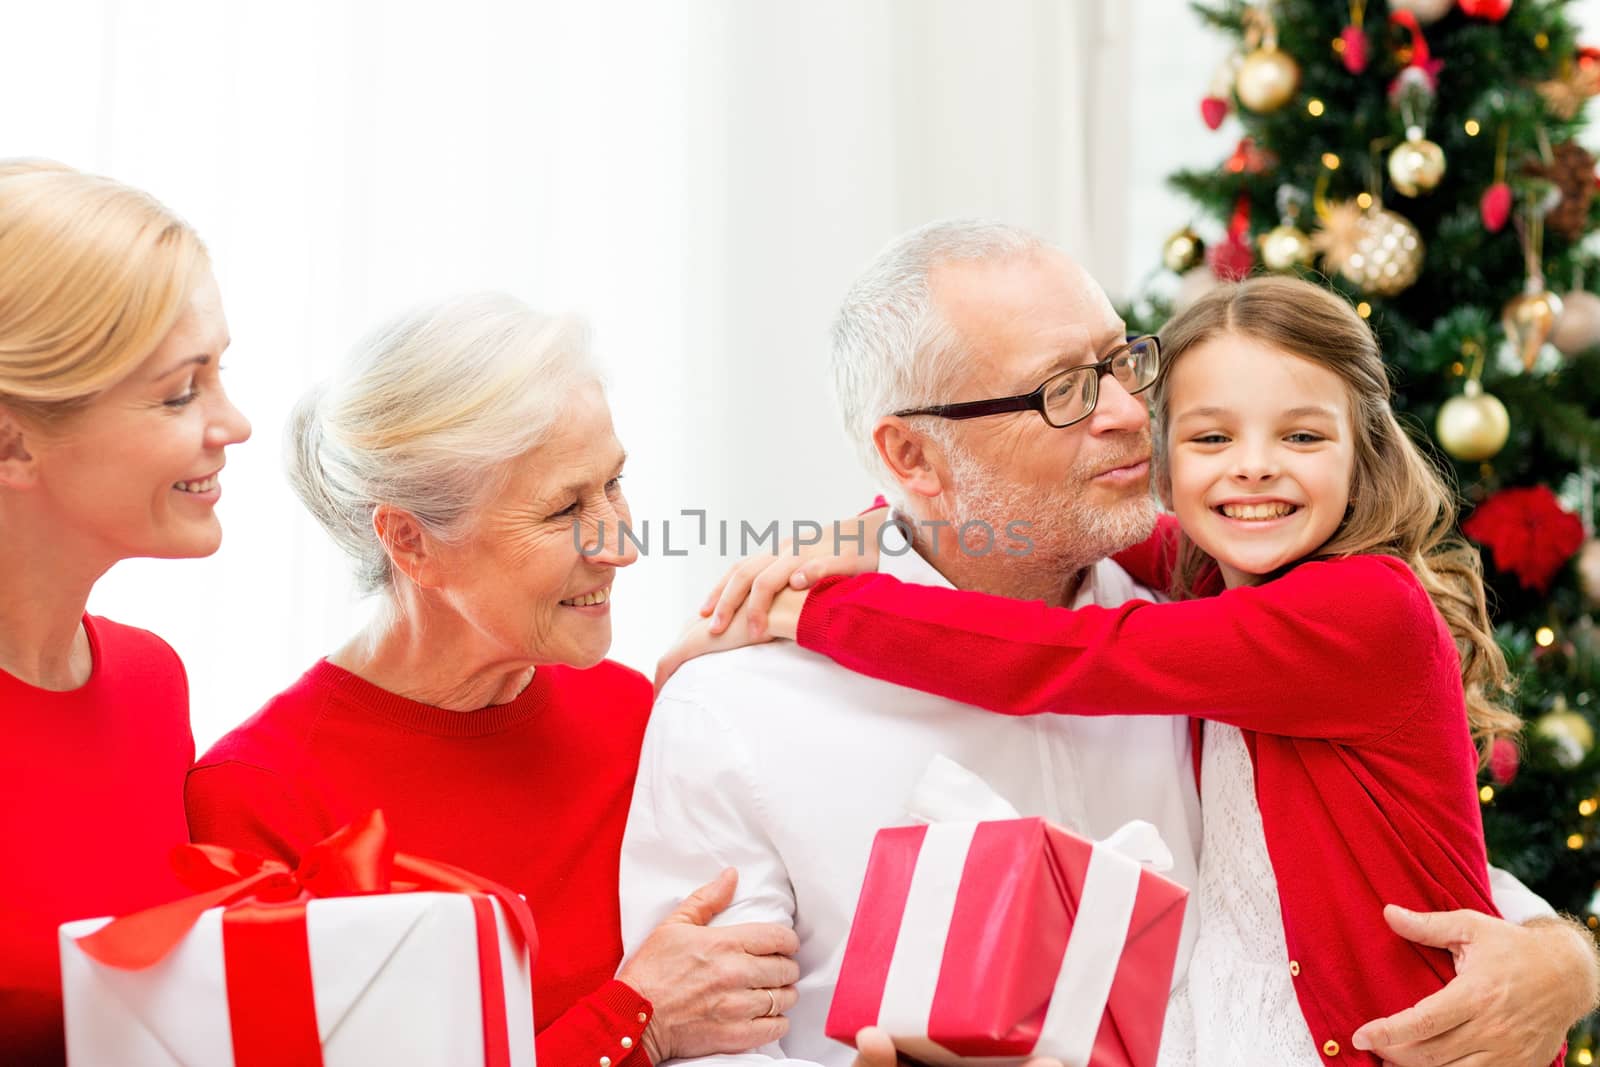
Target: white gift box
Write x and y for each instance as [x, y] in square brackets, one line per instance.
[395, 980]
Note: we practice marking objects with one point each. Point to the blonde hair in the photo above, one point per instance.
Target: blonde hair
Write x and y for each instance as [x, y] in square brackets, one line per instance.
[93, 274]
[1399, 504]
[424, 415]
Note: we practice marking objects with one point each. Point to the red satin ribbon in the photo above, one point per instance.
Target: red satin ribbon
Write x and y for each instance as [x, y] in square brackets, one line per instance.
[270, 1002]
[1421, 59]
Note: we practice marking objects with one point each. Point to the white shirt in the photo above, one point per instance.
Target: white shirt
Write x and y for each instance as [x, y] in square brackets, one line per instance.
[779, 762]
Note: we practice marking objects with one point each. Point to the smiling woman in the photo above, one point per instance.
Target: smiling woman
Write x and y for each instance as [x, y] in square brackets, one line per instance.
[464, 457]
[113, 428]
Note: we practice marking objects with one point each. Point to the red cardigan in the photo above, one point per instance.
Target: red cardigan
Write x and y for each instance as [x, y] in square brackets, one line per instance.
[533, 794]
[1346, 683]
[92, 805]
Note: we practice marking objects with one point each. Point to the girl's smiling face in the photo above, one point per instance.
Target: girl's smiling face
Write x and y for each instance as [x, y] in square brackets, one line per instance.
[1260, 451]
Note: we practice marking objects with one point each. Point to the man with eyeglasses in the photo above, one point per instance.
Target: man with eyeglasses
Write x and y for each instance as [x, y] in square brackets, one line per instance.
[986, 380]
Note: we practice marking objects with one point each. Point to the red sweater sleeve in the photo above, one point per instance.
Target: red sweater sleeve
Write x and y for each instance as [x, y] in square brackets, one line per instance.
[1303, 656]
[595, 1027]
[1152, 561]
[251, 809]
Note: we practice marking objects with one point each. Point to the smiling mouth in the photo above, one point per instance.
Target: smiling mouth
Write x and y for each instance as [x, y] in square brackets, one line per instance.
[1257, 512]
[588, 600]
[203, 485]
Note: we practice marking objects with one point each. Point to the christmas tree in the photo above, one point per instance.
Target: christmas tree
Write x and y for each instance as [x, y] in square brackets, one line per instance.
[1420, 156]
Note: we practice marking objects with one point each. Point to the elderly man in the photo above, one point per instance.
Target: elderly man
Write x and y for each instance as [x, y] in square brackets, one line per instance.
[778, 762]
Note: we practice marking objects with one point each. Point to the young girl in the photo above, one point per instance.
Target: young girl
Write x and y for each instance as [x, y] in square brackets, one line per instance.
[113, 428]
[1348, 673]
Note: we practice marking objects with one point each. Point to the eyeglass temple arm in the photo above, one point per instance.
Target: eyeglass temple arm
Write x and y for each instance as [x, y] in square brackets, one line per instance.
[973, 409]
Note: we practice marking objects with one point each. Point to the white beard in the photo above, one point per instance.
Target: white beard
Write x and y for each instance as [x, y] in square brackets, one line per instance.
[1067, 533]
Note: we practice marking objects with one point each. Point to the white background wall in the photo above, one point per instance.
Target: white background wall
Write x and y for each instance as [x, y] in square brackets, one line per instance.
[701, 178]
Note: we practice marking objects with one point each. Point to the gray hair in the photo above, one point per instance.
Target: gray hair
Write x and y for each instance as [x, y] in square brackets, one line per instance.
[424, 414]
[892, 346]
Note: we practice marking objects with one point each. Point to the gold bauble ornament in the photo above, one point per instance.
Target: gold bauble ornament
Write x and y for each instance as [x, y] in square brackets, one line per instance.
[1267, 79]
[1578, 328]
[1285, 247]
[1568, 731]
[1376, 249]
[1183, 251]
[1528, 319]
[1589, 570]
[1416, 164]
[1426, 10]
[1473, 426]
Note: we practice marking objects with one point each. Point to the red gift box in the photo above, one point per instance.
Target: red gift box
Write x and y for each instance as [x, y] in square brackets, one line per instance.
[1007, 939]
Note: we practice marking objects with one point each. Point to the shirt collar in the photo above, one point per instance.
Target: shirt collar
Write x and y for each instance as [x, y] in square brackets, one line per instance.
[899, 558]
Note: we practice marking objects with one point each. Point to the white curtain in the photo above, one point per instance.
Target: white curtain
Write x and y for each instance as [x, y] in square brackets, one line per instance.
[700, 178]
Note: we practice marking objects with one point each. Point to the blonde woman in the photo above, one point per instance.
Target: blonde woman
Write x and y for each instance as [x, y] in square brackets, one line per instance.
[113, 431]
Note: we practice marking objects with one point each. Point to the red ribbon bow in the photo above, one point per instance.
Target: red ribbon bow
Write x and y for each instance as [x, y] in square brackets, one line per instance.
[273, 1020]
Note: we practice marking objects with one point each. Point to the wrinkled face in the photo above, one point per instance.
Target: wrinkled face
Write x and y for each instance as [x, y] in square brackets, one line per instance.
[520, 579]
[1262, 453]
[1085, 488]
[135, 472]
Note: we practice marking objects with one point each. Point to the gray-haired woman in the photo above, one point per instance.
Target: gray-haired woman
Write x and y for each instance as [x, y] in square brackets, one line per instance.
[465, 457]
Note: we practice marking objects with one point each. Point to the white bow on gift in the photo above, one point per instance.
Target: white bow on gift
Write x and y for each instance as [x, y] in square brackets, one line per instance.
[952, 801]
[948, 792]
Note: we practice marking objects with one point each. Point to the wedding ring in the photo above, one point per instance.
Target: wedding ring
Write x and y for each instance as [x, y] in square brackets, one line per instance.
[773, 1008]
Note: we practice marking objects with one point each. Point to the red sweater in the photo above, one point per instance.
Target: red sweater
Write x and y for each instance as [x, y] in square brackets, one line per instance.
[1346, 683]
[92, 806]
[533, 794]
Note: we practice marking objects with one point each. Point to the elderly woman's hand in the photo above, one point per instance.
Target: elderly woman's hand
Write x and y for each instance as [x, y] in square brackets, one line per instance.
[751, 585]
[715, 989]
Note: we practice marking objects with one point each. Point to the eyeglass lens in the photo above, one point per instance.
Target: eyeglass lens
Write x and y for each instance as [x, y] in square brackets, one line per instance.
[1072, 396]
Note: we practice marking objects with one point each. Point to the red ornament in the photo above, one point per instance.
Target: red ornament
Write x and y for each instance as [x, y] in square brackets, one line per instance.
[1504, 760]
[1248, 158]
[1495, 207]
[1529, 533]
[1354, 53]
[1213, 109]
[1493, 10]
[1232, 258]
[1423, 70]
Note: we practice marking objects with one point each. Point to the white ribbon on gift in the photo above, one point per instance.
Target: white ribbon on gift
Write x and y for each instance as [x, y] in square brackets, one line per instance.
[953, 800]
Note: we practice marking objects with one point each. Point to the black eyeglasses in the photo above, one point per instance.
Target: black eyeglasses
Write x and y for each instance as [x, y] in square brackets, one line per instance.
[1070, 395]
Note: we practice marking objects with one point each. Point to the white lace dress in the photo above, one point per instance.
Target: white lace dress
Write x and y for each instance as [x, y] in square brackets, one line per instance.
[1238, 1006]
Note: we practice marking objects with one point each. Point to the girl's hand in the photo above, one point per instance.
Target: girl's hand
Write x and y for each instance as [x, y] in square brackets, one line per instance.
[751, 584]
[783, 621]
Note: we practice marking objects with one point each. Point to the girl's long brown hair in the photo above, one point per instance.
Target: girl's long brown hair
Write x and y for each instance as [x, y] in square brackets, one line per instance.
[1399, 504]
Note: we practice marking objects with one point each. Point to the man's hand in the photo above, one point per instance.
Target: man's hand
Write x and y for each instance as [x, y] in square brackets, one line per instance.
[1517, 991]
[715, 989]
[875, 1049]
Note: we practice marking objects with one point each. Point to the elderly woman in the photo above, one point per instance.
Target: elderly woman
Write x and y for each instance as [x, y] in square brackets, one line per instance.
[113, 429]
[465, 458]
